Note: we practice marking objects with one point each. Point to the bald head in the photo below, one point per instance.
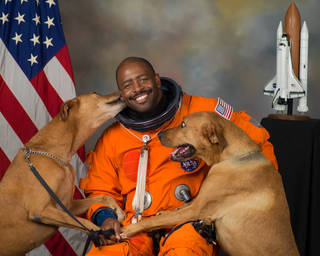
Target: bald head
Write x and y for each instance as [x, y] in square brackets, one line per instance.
[134, 60]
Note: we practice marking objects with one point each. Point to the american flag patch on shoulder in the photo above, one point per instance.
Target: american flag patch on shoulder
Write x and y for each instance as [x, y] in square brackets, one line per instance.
[223, 109]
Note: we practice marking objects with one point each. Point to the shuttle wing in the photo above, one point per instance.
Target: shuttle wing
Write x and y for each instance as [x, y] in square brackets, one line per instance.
[270, 87]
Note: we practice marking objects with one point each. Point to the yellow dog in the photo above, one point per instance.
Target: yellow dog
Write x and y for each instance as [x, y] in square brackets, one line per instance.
[242, 195]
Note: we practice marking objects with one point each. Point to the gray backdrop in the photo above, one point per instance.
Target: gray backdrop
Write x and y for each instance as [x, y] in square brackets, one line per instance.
[212, 48]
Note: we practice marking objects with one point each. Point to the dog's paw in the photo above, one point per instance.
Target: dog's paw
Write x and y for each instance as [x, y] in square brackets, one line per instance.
[130, 230]
[123, 236]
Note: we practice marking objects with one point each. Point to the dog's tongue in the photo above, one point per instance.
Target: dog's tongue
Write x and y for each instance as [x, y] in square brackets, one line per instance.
[179, 153]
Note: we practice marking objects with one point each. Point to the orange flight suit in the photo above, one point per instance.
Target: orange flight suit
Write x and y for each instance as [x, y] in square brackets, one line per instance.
[113, 171]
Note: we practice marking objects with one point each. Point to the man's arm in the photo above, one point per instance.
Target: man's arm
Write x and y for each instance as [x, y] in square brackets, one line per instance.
[102, 178]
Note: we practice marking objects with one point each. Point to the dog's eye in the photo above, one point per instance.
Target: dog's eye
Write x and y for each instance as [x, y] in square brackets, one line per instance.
[183, 124]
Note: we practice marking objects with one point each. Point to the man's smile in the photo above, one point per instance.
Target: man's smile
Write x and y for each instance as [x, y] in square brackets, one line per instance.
[141, 97]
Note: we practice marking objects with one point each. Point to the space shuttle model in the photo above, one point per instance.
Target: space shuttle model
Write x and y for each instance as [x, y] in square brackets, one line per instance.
[290, 80]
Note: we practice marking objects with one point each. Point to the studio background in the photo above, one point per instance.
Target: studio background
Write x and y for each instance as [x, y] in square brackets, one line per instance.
[213, 48]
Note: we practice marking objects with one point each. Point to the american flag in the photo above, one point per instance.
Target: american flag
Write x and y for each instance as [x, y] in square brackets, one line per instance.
[35, 79]
[224, 109]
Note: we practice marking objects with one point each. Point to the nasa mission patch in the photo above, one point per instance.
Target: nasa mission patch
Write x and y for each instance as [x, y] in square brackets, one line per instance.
[189, 165]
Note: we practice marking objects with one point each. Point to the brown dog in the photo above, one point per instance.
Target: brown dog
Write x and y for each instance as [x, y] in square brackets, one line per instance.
[242, 194]
[25, 205]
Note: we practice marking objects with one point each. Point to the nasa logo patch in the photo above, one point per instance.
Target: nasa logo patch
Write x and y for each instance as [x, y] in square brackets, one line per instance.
[189, 165]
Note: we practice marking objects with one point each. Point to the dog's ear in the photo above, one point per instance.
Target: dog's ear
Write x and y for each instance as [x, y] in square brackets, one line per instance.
[209, 133]
[213, 132]
[65, 108]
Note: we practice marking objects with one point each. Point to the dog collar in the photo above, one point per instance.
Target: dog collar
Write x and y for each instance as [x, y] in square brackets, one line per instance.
[171, 87]
[29, 151]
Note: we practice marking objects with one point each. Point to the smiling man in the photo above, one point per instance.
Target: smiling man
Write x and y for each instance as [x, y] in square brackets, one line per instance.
[130, 164]
[139, 85]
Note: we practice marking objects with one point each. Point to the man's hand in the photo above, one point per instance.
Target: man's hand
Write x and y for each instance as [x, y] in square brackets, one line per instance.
[107, 224]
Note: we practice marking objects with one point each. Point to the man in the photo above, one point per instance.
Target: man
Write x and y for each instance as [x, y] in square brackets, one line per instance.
[129, 161]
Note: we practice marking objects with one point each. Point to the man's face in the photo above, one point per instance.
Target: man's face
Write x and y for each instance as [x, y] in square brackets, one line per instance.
[139, 86]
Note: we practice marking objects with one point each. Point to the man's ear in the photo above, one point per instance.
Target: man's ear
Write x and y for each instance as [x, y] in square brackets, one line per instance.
[65, 108]
[158, 80]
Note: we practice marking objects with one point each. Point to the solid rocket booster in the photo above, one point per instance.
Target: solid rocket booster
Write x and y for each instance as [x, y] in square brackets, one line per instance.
[303, 71]
[292, 28]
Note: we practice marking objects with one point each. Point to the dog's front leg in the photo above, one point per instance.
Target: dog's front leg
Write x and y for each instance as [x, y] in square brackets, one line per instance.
[59, 218]
[176, 209]
[80, 206]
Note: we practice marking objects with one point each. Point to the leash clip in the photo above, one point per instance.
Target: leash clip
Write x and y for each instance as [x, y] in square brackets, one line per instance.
[27, 153]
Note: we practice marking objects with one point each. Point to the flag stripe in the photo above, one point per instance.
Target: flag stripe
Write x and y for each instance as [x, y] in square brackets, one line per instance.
[82, 169]
[57, 246]
[21, 87]
[59, 79]
[77, 194]
[64, 59]
[40, 251]
[15, 114]
[10, 143]
[82, 154]
[5, 162]
[72, 237]
[47, 93]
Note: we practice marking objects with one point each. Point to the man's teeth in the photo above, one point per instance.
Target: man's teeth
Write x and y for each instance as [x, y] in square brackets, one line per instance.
[141, 98]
